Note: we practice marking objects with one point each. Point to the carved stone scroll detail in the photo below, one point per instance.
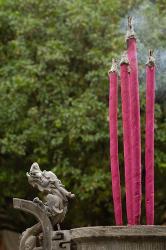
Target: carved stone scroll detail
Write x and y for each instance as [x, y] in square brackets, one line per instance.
[32, 208]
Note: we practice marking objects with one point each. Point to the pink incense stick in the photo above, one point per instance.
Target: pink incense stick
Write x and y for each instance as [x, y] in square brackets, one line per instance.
[135, 122]
[149, 139]
[113, 106]
[124, 75]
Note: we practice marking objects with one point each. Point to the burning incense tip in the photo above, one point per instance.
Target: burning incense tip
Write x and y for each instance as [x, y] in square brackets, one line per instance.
[124, 58]
[130, 19]
[114, 67]
[151, 59]
[130, 31]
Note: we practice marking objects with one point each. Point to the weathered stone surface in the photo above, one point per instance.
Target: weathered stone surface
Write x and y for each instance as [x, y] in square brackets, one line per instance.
[30, 207]
[118, 231]
[119, 238]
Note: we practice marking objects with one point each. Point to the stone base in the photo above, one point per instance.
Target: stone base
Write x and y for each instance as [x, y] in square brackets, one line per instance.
[119, 238]
[111, 238]
[92, 238]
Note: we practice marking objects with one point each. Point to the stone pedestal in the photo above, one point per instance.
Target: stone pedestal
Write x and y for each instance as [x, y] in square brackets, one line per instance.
[119, 238]
[89, 238]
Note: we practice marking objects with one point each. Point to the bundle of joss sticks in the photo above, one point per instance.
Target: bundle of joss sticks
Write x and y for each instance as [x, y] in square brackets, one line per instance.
[132, 134]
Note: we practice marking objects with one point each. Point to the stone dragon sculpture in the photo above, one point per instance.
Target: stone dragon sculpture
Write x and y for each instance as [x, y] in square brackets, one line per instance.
[54, 204]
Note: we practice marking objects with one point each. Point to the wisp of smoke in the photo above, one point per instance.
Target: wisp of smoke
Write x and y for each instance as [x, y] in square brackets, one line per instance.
[149, 27]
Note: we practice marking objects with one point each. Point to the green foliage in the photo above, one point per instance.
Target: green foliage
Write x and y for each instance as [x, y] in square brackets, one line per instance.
[54, 58]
